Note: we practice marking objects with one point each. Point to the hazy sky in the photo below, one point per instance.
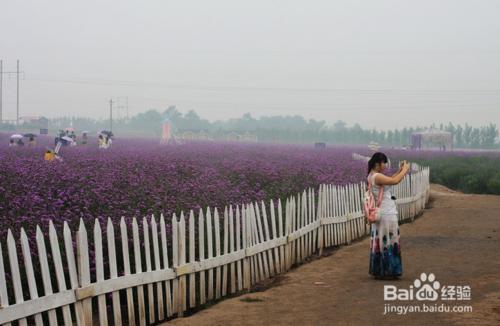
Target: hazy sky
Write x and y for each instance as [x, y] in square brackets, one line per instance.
[383, 64]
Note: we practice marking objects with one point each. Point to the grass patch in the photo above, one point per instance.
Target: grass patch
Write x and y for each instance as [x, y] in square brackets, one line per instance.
[251, 300]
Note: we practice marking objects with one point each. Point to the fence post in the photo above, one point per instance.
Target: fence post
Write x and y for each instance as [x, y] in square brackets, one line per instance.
[274, 236]
[192, 285]
[61, 282]
[113, 272]
[349, 213]
[246, 240]
[175, 264]
[84, 271]
[138, 269]
[281, 233]
[181, 261]
[15, 273]
[126, 265]
[319, 216]
[4, 299]
[46, 274]
[101, 299]
[286, 233]
[201, 253]
[226, 250]
[239, 234]
[147, 255]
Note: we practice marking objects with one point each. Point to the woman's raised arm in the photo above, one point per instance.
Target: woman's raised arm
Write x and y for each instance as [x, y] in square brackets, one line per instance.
[381, 179]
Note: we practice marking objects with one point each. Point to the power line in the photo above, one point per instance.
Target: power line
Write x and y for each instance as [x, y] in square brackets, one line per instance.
[255, 88]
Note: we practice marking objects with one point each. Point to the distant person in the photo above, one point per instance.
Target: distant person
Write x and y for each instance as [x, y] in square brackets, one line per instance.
[49, 155]
[385, 251]
[12, 143]
[32, 142]
[20, 142]
[100, 141]
[109, 141]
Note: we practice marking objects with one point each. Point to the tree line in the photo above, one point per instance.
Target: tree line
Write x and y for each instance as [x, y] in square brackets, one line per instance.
[290, 129]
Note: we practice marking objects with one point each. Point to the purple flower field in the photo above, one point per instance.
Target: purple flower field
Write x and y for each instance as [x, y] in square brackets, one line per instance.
[137, 178]
[140, 177]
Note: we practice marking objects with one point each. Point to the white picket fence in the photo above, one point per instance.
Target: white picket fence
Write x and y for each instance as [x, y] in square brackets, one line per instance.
[161, 269]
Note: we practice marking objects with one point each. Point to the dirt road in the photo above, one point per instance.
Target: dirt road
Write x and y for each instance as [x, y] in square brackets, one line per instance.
[457, 239]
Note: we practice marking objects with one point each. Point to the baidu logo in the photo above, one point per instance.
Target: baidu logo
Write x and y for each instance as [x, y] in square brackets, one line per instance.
[424, 288]
[427, 288]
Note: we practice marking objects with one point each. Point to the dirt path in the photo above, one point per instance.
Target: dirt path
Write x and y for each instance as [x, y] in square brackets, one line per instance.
[457, 238]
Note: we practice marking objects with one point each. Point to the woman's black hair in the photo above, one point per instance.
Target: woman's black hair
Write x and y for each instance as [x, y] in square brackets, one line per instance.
[377, 157]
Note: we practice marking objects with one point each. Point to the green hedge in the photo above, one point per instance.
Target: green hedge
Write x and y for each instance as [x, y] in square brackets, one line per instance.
[478, 175]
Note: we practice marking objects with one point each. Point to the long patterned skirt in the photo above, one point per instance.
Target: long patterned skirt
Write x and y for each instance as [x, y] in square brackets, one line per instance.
[385, 247]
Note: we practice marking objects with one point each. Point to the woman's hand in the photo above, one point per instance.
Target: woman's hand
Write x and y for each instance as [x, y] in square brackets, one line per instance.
[381, 179]
[405, 167]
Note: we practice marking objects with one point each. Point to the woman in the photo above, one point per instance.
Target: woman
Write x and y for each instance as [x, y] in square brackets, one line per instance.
[385, 249]
[32, 141]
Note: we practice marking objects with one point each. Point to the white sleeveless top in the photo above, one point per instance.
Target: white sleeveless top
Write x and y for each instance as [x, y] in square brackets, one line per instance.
[388, 206]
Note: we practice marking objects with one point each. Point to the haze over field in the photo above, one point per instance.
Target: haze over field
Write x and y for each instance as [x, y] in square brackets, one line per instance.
[383, 64]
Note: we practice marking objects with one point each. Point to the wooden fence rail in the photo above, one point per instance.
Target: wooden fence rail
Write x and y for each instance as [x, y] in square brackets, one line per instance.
[161, 268]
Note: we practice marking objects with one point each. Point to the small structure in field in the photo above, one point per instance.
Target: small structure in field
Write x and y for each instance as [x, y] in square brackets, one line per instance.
[195, 135]
[432, 138]
[374, 146]
[246, 137]
[320, 145]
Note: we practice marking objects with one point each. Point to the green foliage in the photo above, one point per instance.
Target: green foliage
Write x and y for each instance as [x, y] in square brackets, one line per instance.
[493, 185]
[479, 175]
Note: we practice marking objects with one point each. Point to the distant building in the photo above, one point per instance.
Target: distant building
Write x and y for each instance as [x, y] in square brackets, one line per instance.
[37, 122]
[188, 135]
[246, 137]
[249, 137]
[320, 145]
[229, 136]
[432, 138]
[195, 135]
[233, 136]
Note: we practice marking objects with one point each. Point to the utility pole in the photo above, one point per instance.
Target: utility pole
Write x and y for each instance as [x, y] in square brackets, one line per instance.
[17, 72]
[1, 86]
[127, 107]
[17, 102]
[111, 115]
[121, 103]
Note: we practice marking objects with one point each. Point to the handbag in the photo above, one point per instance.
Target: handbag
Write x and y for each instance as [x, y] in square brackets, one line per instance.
[371, 208]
